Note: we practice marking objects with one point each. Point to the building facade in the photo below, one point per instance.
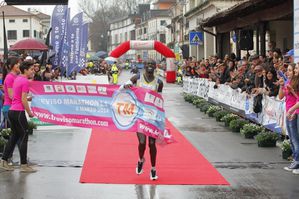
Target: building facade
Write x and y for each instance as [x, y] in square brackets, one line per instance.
[197, 11]
[21, 24]
[122, 30]
[267, 24]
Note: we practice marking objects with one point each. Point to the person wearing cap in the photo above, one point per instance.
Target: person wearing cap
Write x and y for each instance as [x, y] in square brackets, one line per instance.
[150, 81]
[290, 56]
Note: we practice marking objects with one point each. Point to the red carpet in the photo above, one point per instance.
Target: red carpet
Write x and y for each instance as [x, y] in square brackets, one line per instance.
[111, 159]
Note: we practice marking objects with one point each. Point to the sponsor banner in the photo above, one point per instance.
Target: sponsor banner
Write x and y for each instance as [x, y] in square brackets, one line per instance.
[142, 45]
[100, 106]
[272, 116]
[203, 88]
[40, 123]
[58, 24]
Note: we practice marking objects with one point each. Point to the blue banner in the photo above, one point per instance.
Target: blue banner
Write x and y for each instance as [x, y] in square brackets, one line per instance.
[65, 47]
[74, 37]
[58, 24]
[83, 46]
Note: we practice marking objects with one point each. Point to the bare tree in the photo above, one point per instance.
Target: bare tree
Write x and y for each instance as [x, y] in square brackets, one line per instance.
[101, 12]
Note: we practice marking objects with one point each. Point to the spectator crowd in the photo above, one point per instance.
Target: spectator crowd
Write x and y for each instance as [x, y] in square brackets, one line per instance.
[254, 74]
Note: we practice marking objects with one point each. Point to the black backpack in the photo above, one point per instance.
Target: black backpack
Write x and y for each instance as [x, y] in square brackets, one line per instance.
[257, 103]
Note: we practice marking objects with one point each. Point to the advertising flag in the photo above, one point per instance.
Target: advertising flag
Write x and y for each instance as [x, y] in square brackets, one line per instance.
[58, 24]
[83, 46]
[65, 47]
[74, 40]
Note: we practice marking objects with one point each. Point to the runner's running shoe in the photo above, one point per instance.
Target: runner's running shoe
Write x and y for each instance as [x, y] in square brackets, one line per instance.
[139, 167]
[153, 174]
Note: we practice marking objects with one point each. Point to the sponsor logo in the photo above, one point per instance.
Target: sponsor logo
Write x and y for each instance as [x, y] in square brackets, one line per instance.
[70, 88]
[59, 88]
[102, 90]
[48, 88]
[81, 89]
[92, 89]
[124, 109]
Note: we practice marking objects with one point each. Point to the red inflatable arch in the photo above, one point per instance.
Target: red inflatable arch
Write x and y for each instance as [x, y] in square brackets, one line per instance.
[149, 45]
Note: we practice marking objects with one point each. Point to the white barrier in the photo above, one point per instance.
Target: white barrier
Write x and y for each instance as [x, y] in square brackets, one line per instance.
[90, 79]
[272, 116]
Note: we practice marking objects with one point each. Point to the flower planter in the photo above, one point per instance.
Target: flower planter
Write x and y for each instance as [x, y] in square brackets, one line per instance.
[1, 150]
[250, 135]
[266, 143]
[236, 125]
[211, 114]
[235, 130]
[286, 154]
[218, 119]
[226, 124]
[267, 139]
[30, 131]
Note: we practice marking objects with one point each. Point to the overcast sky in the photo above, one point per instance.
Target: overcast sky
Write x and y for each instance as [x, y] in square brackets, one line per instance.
[73, 4]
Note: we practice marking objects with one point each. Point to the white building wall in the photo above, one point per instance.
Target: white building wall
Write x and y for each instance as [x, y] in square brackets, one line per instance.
[155, 29]
[32, 24]
[209, 47]
[121, 29]
[282, 36]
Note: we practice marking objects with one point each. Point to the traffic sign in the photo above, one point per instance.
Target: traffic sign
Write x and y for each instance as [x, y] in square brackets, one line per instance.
[196, 38]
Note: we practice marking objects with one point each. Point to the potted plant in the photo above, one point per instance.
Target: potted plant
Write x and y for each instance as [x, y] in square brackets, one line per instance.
[251, 130]
[220, 114]
[190, 98]
[5, 133]
[286, 149]
[31, 126]
[267, 139]
[2, 143]
[228, 118]
[205, 107]
[201, 103]
[187, 97]
[195, 98]
[236, 125]
[212, 109]
[197, 101]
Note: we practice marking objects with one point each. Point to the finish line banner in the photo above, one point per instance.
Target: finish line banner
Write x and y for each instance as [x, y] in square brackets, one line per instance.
[100, 106]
